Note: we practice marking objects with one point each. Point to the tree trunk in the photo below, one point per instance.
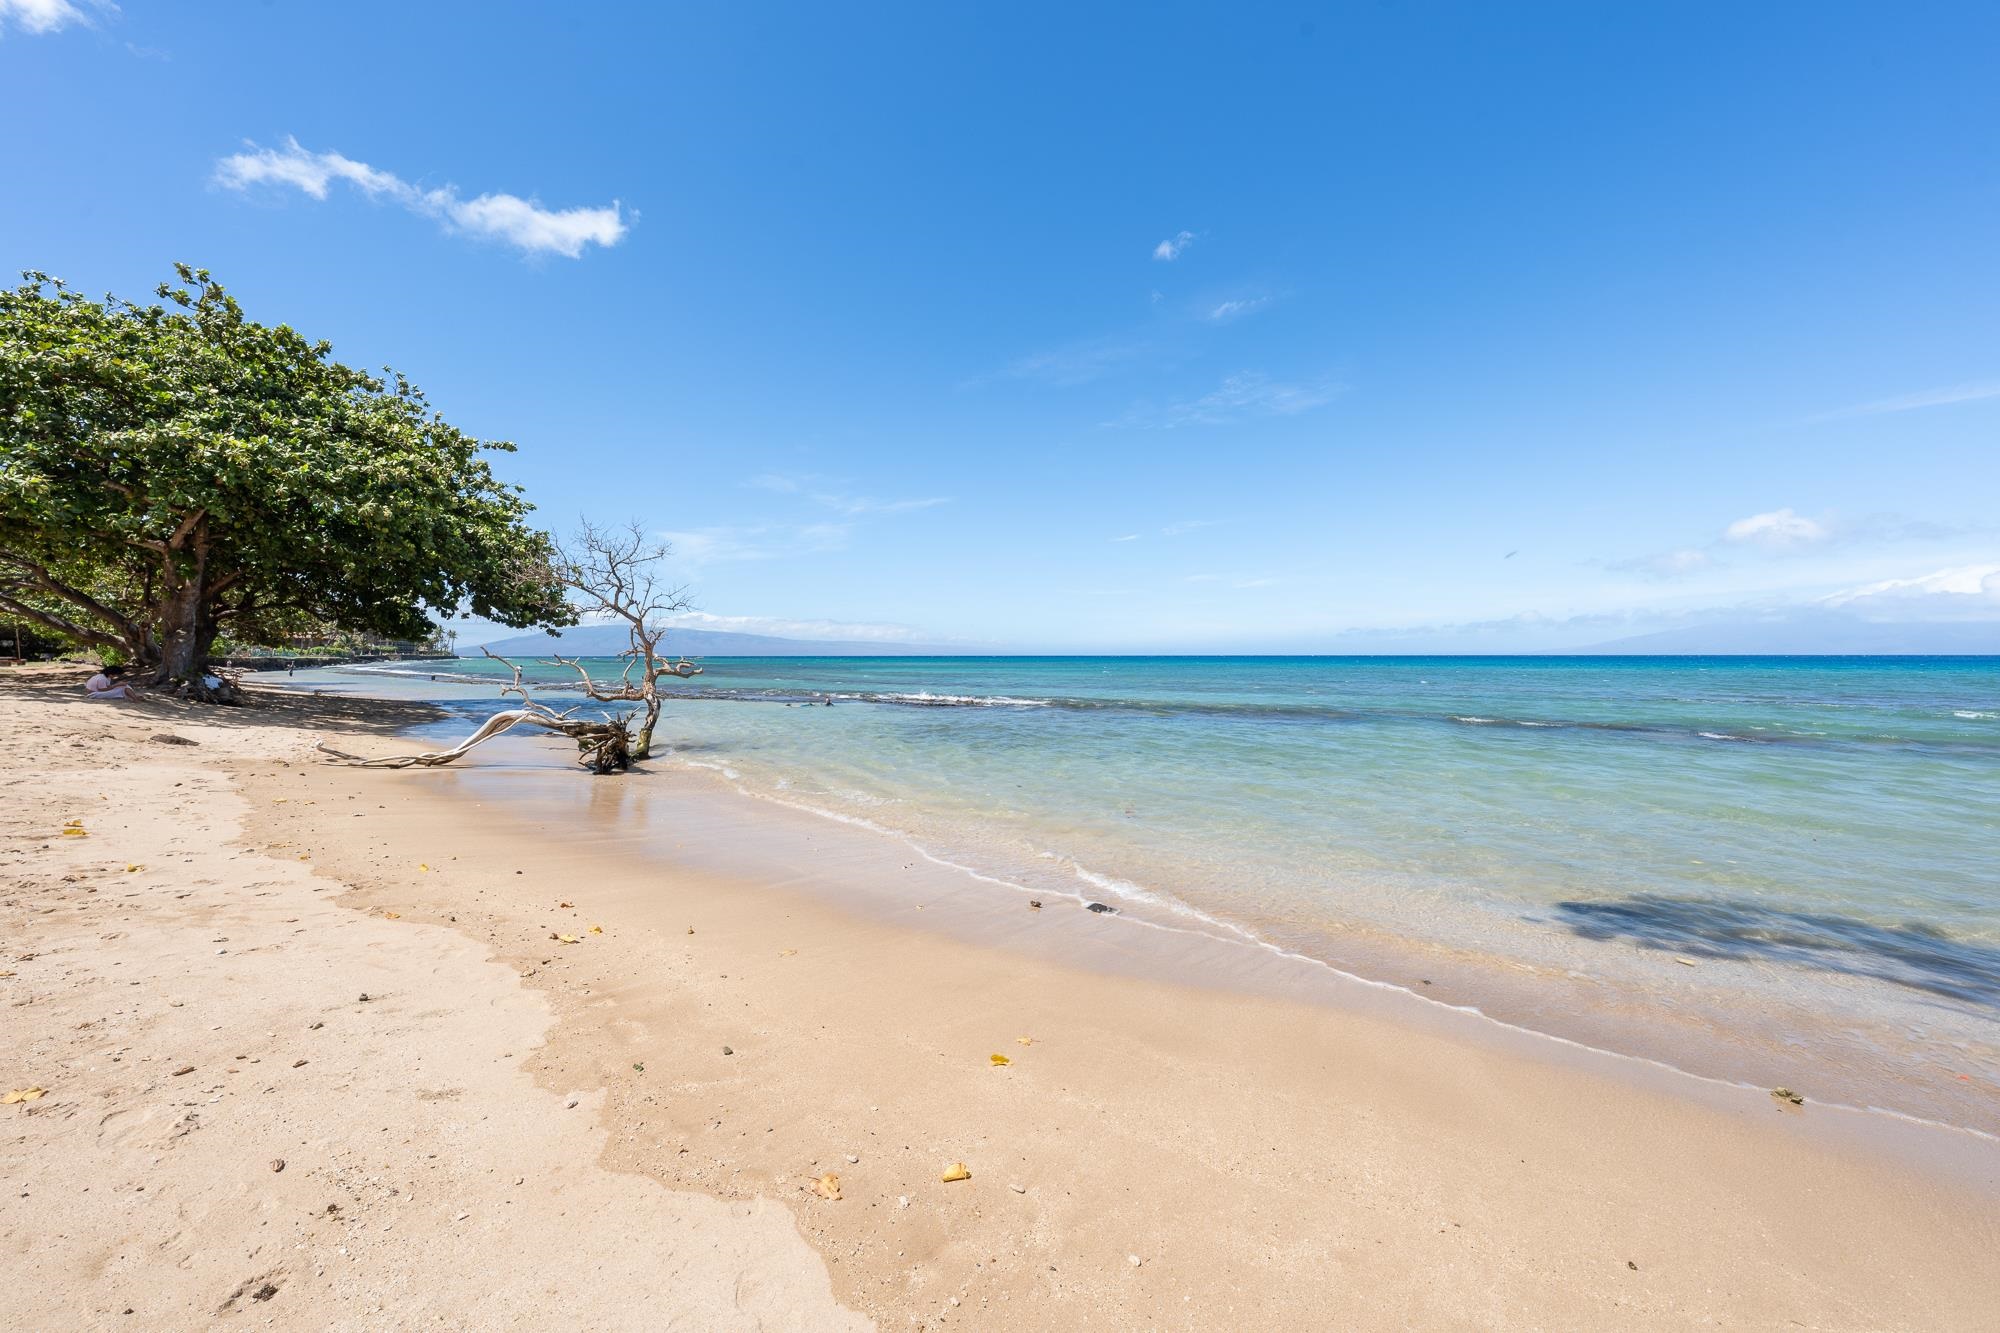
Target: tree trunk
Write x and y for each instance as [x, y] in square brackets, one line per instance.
[182, 659]
[642, 748]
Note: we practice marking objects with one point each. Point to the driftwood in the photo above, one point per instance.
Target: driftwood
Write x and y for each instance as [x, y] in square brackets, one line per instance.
[615, 573]
[602, 747]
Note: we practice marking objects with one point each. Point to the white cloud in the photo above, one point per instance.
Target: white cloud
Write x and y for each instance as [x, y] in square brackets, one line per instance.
[1958, 393]
[1128, 537]
[1229, 310]
[522, 223]
[45, 16]
[1964, 592]
[1239, 396]
[1170, 249]
[760, 541]
[1780, 527]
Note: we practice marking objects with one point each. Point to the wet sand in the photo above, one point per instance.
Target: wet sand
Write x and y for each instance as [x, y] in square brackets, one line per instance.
[1154, 1155]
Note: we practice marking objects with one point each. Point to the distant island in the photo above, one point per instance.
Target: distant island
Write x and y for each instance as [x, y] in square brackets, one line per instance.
[611, 640]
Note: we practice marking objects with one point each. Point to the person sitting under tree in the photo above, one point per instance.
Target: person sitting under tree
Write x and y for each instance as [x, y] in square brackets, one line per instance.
[106, 684]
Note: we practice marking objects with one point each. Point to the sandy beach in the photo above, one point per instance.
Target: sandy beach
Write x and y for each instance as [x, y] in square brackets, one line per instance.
[317, 1051]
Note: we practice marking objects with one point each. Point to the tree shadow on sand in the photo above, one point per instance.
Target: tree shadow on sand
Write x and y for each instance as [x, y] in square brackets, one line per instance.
[1914, 955]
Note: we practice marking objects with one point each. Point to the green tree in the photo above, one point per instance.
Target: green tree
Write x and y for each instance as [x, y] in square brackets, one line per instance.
[175, 471]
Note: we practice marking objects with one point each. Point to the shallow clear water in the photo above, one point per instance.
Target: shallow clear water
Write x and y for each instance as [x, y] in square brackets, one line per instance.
[1833, 823]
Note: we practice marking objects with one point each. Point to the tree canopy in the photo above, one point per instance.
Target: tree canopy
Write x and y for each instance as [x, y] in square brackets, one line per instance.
[174, 471]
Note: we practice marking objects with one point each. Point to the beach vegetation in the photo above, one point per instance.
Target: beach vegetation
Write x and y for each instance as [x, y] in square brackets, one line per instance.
[174, 472]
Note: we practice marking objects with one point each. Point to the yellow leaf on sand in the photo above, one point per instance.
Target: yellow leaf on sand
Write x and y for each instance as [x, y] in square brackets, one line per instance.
[786, 953]
[566, 939]
[1025, 1041]
[827, 1186]
[999, 1059]
[22, 1095]
[956, 1171]
[393, 916]
[74, 829]
[597, 930]
[133, 868]
[423, 865]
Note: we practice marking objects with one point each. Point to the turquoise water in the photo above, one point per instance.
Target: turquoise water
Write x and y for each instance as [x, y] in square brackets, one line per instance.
[1828, 829]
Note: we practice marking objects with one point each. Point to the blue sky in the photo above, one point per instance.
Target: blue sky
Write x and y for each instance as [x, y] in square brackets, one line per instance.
[1177, 327]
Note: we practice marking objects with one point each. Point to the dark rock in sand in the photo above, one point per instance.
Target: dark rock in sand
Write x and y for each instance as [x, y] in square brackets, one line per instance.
[1098, 907]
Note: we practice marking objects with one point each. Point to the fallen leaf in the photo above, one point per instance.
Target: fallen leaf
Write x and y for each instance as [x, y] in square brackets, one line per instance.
[566, 939]
[23, 1095]
[597, 930]
[1025, 1041]
[786, 953]
[74, 831]
[1787, 1095]
[999, 1059]
[129, 869]
[827, 1186]
[956, 1171]
[393, 916]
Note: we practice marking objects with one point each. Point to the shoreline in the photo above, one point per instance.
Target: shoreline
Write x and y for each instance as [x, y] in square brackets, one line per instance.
[1233, 1143]
[1686, 1016]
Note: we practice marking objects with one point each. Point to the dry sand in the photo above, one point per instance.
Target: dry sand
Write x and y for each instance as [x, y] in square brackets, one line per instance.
[521, 1132]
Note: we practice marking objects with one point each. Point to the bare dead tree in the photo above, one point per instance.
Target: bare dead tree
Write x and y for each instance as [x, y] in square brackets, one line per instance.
[617, 572]
[602, 747]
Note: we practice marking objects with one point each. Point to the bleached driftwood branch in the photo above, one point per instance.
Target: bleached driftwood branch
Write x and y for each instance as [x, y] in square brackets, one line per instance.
[602, 746]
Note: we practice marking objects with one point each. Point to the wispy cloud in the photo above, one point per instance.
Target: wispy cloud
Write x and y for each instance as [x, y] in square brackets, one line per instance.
[1225, 311]
[1128, 537]
[1667, 564]
[1963, 592]
[1911, 402]
[1073, 363]
[1170, 249]
[728, 544]
[1787, 532]
[1239, 397]
[522, 223]
[37, 17]
[821, 492]
[1780, 527]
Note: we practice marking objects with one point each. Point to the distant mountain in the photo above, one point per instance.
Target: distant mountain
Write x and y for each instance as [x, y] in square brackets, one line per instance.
[611, 640]
[1809, 633]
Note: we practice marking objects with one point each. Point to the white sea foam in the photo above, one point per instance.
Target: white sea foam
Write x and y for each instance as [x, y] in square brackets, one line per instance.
[1241, 937]
[1973, 715]
[925, 699]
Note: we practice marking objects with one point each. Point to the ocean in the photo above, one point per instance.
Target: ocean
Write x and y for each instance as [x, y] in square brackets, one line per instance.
[1728, 863]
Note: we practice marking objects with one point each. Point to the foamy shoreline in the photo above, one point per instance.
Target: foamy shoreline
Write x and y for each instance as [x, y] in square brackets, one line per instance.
[1268, 1163]
[1730, 1022]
